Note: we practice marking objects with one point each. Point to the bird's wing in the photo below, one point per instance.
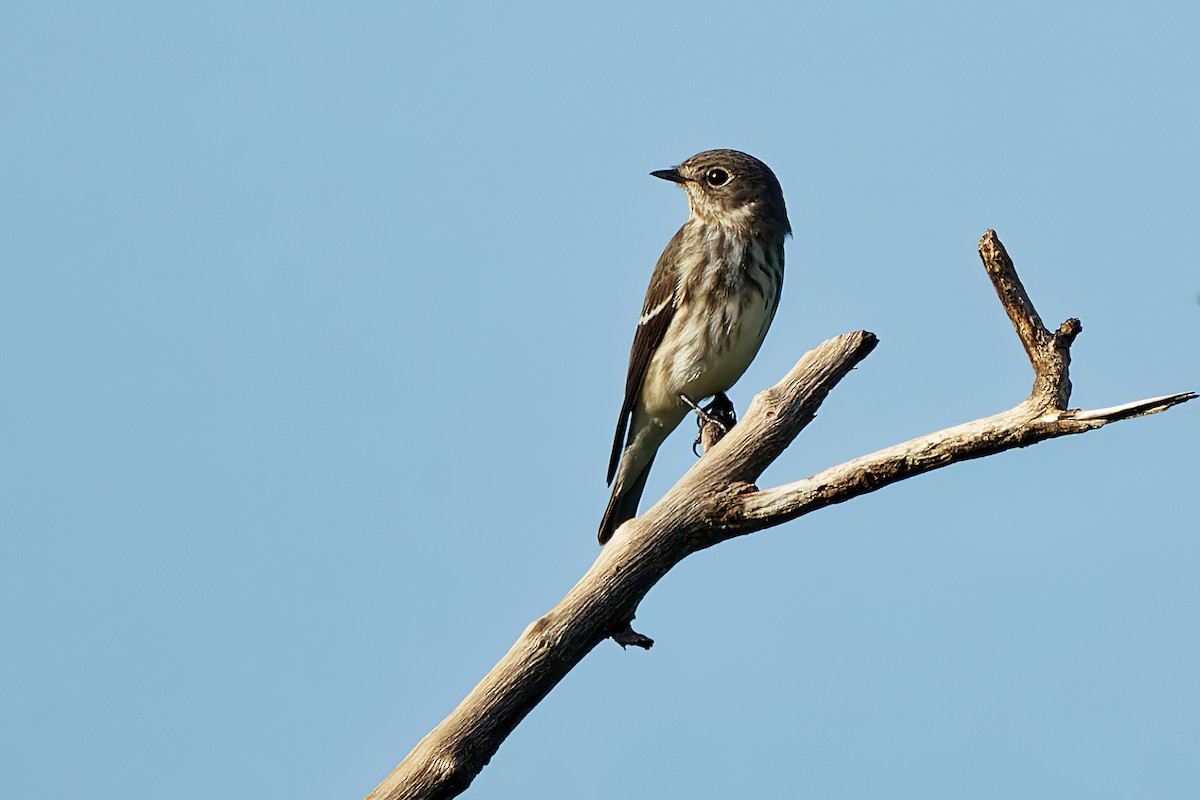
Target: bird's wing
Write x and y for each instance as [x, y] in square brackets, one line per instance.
[657, 312]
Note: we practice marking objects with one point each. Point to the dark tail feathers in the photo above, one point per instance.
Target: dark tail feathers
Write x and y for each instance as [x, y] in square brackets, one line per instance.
[623, 506]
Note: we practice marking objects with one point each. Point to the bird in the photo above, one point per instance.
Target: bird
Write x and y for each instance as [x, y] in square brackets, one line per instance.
[711, 299]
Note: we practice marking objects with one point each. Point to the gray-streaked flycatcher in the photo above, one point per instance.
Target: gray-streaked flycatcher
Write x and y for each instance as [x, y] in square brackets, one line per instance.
[712, 297]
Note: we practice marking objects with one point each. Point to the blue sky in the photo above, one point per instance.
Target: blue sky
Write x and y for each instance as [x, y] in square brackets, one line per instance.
[313, 325]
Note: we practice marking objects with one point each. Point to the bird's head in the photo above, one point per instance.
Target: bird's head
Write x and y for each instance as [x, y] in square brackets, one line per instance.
[731, 189]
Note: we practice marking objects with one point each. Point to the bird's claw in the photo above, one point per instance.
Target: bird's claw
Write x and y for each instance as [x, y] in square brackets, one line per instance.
[702, 415]
[719, 414]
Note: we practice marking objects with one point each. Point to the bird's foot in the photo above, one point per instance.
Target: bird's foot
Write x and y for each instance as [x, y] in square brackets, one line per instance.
[712, 413]
[714, 420]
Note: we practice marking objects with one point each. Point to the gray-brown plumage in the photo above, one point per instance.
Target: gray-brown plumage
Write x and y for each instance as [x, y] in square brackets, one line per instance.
[712, 297]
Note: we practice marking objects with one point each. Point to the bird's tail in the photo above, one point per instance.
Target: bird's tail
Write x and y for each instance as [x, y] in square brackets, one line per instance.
[623, 504]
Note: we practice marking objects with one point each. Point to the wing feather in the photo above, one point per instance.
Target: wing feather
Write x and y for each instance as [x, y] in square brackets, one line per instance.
[657, 312]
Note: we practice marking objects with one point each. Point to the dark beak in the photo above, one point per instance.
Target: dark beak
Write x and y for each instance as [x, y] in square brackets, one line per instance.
[671, 175]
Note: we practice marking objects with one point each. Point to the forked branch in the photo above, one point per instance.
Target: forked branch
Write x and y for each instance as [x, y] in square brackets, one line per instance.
[717, 500]
[1043, 415]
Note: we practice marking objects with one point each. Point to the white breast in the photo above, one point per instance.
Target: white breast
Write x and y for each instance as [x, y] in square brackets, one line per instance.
[716, 332]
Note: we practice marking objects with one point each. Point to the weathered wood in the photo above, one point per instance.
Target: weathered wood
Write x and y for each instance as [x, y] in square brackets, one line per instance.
[1049, 354]
[602, 604]
[717, 500]
[1041, 416]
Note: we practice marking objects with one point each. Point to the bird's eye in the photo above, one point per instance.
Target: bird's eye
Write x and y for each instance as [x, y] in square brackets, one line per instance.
[716, 177]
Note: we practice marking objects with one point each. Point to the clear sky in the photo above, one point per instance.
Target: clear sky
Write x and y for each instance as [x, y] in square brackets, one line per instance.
[313, 328]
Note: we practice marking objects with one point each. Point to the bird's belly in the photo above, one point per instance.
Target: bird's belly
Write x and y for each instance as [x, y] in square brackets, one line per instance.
[718, 350]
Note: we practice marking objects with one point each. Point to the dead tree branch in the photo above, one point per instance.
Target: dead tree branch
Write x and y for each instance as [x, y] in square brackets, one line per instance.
[717, 500]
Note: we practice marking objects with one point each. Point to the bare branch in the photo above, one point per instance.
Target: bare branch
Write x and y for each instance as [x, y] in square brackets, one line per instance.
[1137, 409]
[717, 500]
[1043, 415]
[1013, 297]
[1019, 427]
[604, 601]
[1049, 354]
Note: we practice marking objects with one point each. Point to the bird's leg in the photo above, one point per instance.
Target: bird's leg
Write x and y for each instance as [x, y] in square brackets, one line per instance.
[701, 414]
[714, 420]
